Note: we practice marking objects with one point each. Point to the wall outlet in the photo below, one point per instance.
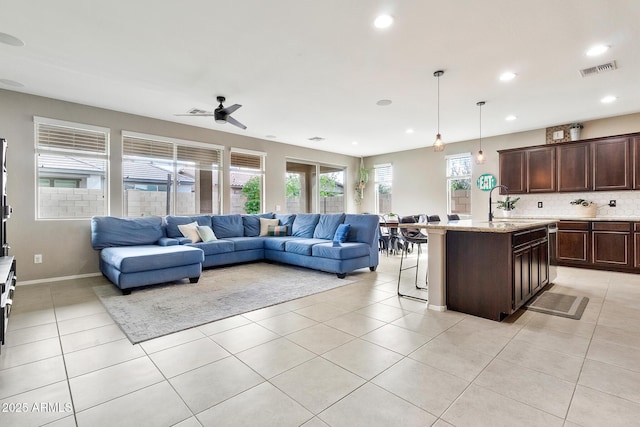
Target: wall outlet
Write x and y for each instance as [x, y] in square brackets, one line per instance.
[559, 134]
[539, 204]
[612, 203]
[278, 208]
[37, 259]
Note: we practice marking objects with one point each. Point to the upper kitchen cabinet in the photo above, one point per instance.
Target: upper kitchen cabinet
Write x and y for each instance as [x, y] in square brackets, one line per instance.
[573, 167]
[513, 171]
[541, 169]
[635, 148]
[611, 164]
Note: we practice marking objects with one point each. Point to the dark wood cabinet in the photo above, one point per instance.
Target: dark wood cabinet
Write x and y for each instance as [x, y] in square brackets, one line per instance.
[541, 170]
[573, 243]
[635, 164]
[611, 243]
[611, 164]
[636, 245]
[513, 171]
[573, 167]
[495, 283]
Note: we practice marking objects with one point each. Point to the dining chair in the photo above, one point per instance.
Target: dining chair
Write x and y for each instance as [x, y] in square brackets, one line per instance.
[384, 237]
[433, 218]
[453, 217]
[411, 236]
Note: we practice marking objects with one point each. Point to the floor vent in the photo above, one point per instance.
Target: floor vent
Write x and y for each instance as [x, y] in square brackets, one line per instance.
[603, 68]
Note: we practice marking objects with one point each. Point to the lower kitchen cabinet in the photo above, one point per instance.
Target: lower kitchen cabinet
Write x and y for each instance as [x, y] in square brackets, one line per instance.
[611, 242]
[573, 243]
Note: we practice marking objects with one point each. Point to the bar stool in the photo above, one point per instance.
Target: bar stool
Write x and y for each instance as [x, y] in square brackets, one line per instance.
[411, 236]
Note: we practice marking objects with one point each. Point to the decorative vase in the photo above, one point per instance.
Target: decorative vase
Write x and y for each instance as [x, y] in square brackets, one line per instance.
[585, 211]
[507, 213]
[575, 133]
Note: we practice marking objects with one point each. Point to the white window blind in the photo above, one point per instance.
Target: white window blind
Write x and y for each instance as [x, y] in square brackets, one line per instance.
[246, 161]
[383, 173]
[146, 148]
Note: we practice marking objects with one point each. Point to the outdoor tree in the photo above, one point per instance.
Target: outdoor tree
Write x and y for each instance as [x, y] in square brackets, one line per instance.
[251, 191]
[293, 186]
[328, 185]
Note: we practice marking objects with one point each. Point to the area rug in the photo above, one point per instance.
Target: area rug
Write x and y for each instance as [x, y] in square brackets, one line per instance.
[221, 292]
[562, 305]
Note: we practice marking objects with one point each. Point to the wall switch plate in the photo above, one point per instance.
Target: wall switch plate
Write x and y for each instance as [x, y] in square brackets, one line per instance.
[612, 203]
[539, 204]
[37, 259]
[559, 134]
[278, 207]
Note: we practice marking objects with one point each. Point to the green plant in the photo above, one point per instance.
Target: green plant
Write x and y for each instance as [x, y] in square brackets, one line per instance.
[293, 186]
[252, 192]
[460, 184]
[508, 203]
[581, 202]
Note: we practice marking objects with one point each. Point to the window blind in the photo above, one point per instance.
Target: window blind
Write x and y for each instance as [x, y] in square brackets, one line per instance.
[246, 161]
[205, 158]
[141, 147]
[61, 138]
[384, 173]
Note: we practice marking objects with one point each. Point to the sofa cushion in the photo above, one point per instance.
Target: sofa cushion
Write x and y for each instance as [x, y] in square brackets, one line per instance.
[327, 226]
[246, 243]
[344, 251]
[252, 223]
[302, 246]
[190, 231]
[342, 233]
[173, 221]
[108, 231]
[364, 228]
[227, 225]
[206, 233]
[265, 224]
[131, 259]
[277, 243]
[214, 247]
[304, 225]
[287, 219]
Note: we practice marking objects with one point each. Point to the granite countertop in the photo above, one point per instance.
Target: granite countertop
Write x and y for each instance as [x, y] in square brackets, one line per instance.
[575, 218]
[501, 225]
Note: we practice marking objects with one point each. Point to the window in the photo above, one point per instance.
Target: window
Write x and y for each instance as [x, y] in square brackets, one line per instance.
[72, 162]
[383, 186]
[313, 187]
[459, 184]
[331, 189]
[166, 176]
[246, 181]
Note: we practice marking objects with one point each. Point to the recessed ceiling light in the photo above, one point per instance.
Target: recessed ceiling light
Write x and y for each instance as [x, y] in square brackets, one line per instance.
[354, 143]
[383, 21]
[510, 118]
[11, 83]
[10, 40]
[608, 99]
[597, 50]
[409, 131]
[505, 77]
[384, 102]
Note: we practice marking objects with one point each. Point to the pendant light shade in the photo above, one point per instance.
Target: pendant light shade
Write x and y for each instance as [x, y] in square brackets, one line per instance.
[480, 158]
[438, 145]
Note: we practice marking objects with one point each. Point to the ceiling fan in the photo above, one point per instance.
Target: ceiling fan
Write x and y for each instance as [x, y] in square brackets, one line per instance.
[221, 114]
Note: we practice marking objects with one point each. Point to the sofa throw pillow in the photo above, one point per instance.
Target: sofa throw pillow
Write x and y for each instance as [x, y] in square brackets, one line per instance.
[286, 219]
[327, 226]
[304, 224]
[206, 233]
[278, 230]
[342, 233]
[265, 223]
[190, 231]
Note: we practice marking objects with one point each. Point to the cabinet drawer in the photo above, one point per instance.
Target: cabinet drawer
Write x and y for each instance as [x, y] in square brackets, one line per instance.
[524, 237]
[636, 226]
[611, 226]
[574, 225]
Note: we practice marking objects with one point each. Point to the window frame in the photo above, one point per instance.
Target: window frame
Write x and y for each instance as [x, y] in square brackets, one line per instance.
[263, 167]
[174, 161]
[449, 178]
[377, 182]
[102, 155]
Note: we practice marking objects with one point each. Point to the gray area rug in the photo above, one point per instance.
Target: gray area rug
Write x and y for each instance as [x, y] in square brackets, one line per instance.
[562, 305]
[221, 292]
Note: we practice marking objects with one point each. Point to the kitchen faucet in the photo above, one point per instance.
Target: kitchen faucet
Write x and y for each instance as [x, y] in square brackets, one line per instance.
[491, 191]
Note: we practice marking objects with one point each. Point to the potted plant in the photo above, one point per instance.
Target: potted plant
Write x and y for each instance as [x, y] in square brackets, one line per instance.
[584, 208]
[507, 205]
[574, 131]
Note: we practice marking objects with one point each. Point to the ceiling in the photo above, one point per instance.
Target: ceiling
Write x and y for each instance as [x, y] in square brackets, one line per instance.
[304, 69]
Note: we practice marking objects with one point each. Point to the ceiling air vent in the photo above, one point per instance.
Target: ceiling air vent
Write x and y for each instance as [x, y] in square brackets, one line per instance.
[316, 139]
[603, 68]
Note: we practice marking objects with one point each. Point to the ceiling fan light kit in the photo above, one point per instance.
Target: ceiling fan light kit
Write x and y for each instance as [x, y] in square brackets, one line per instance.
[438, 145]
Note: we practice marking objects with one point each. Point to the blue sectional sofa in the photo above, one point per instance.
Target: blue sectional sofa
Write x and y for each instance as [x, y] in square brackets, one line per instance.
[150, 250]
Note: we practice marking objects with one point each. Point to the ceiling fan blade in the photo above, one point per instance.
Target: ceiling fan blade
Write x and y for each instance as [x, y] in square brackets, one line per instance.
[198, 114]
[235, 122]
[231, 109]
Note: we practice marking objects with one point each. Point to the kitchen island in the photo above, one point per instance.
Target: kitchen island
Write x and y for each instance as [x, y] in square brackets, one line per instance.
[487, 269]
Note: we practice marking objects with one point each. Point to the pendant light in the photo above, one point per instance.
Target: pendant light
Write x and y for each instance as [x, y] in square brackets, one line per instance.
[438, 145]
[480, 158]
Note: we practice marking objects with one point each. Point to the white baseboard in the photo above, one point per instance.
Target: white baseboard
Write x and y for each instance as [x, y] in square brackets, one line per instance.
[437, 307]
[56, 279]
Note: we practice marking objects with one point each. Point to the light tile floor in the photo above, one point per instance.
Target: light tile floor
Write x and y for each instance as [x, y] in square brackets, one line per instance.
[354, 356]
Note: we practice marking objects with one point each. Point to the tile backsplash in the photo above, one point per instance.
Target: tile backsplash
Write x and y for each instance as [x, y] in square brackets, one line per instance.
[558, 204]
